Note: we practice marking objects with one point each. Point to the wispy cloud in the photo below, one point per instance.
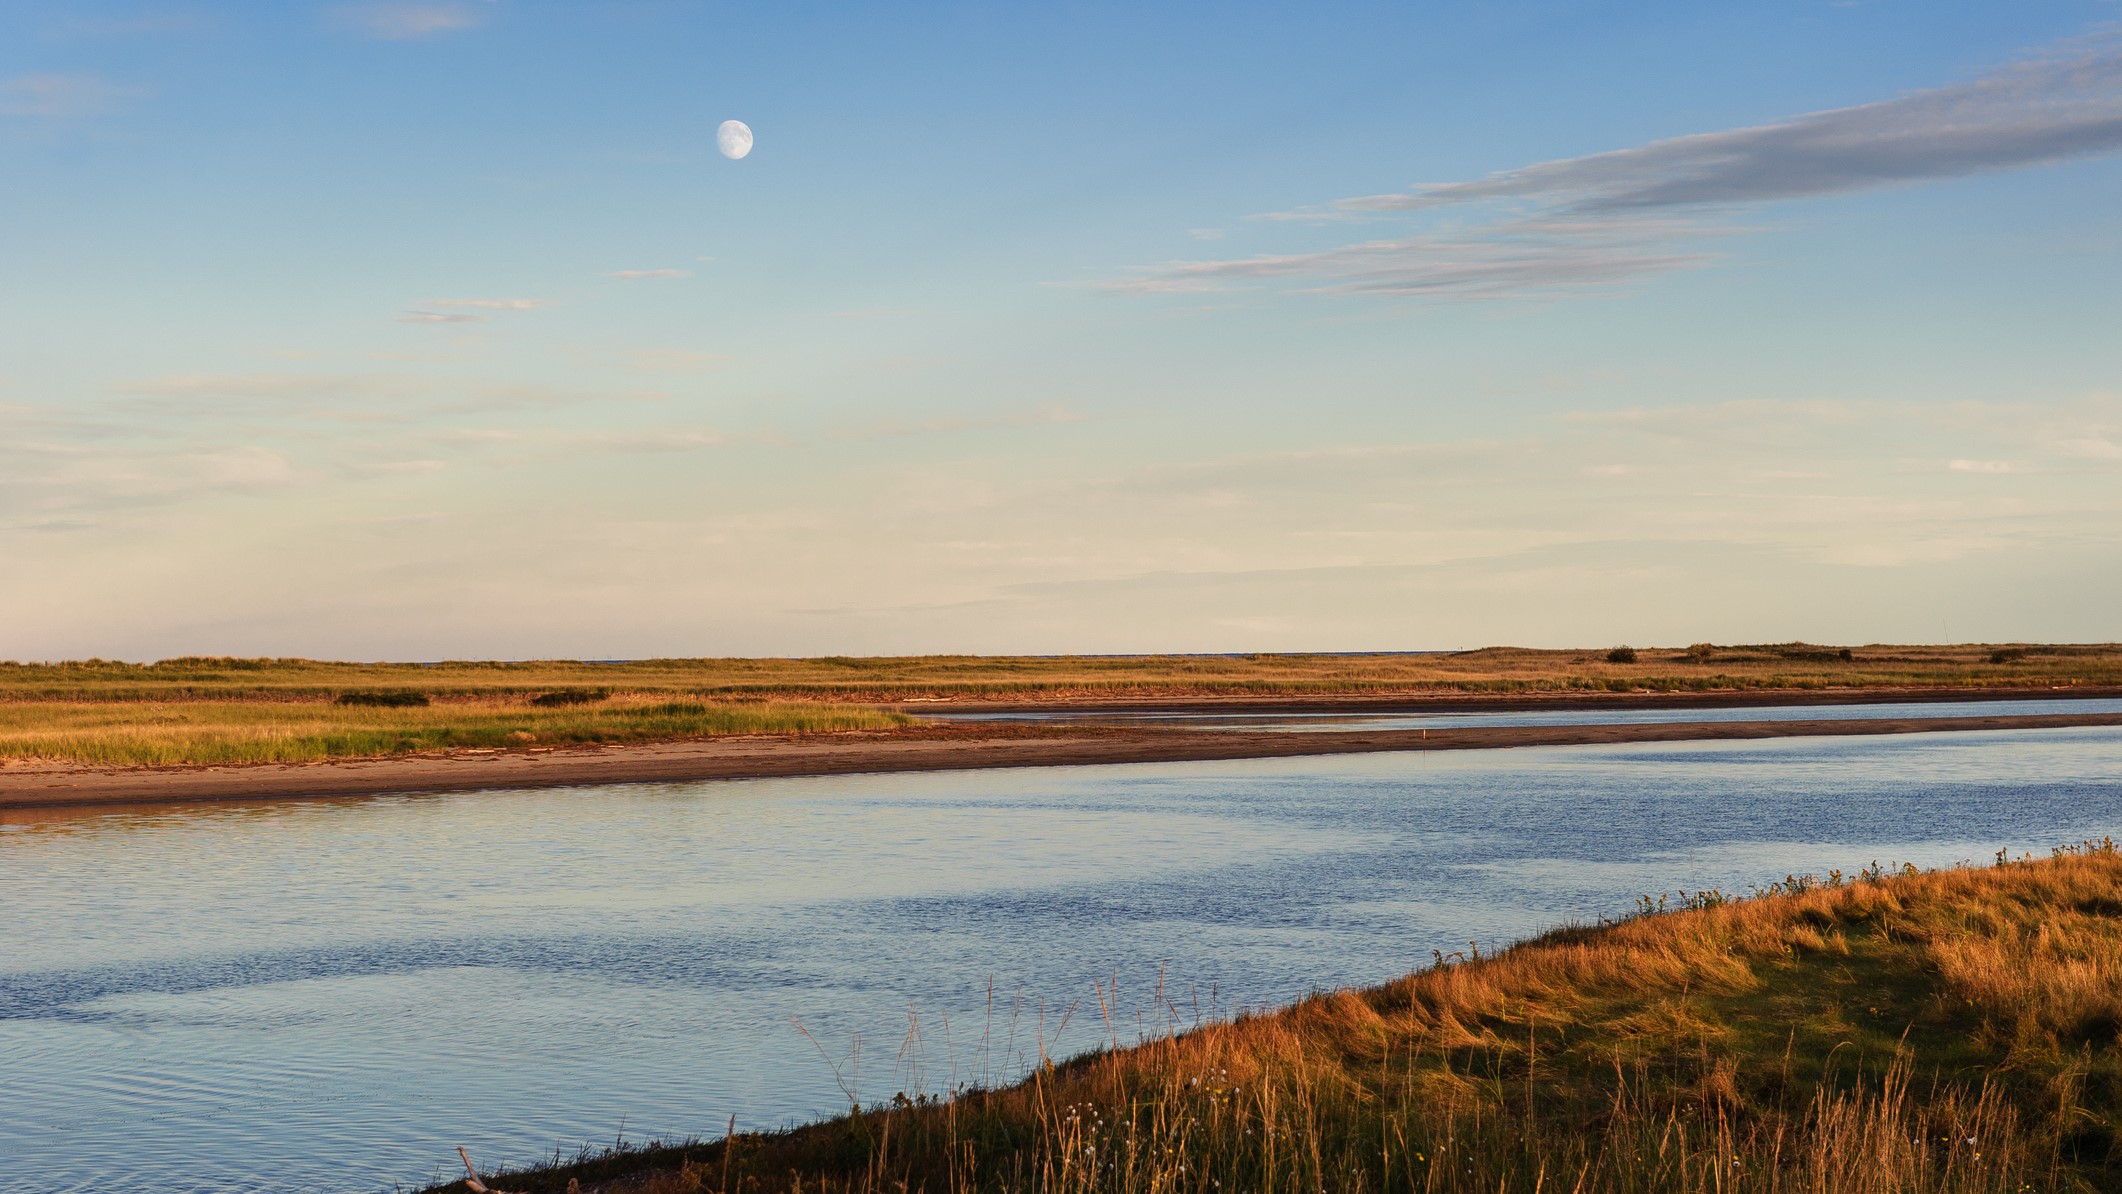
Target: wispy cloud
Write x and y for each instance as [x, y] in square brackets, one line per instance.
[42, 480]
[344, 397]
[87, 28]
[493, 304]
[866, 313]
[1515, 259]
[459, 310]
[632, 275]
[408, 22]
[673, 439]
[1588, 223]
[519, 445]
[675, 360]
[1045, 416]
[58, 96]
[405, 467]
[2045, 110]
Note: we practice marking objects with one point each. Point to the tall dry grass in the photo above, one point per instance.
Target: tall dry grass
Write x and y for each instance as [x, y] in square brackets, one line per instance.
[1950, 1032]
[1702, 667]
[228, 732]
[236, 711]
[216, 710]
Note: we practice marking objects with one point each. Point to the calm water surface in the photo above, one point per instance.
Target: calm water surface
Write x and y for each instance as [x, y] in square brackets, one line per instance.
[1583, 715]
[333, 995]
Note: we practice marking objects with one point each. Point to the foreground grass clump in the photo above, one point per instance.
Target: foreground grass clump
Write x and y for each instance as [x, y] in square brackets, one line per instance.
[1949, 1032]
[129, 733]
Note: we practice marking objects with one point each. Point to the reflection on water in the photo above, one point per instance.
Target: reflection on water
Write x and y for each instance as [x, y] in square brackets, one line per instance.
[1587, 714]
[333, 995]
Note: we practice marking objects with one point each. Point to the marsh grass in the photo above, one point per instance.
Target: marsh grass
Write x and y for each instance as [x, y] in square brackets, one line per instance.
[570, 696]
[215, 710]
[1949, 1032]
[387, 698]
[1702, 667]
[227, 732]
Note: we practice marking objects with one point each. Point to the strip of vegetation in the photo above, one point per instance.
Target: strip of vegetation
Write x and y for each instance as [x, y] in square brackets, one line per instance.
[387, 699]
[569, 696]
[223, 732]
[1950, 1032]
[1701, 667]
[210, 710]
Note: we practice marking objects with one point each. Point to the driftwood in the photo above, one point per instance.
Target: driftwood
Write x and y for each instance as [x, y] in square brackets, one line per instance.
[471, 1176]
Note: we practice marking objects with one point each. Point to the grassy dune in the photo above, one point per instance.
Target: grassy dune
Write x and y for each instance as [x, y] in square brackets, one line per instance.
[1496, 669]
[124, 733]
[1950, 1031]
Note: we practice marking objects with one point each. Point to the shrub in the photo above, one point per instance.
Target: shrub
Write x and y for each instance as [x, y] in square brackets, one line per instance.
[570, 696]
[1621, 655]
[392, 700]
[1701, 652]
[2007, 655]
[677, 709]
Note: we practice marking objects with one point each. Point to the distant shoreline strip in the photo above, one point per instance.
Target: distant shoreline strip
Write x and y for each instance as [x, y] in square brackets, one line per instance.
[30, 786]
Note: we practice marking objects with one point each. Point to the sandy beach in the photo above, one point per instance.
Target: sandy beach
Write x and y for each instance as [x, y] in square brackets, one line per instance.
[927, 748]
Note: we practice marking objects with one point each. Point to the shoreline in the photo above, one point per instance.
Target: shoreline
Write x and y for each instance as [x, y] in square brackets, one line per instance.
[1433, 701]
[31, 785]
[1749, 1004]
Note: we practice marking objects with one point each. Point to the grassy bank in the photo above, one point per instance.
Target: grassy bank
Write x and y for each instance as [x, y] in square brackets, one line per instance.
[1952, 1031]
[292, 710]
[125, 733]
[1702, 667]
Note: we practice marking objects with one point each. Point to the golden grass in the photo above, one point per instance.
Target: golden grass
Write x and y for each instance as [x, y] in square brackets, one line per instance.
[1495, 669]
[109, 733]
[1898, 1033]
[210, 710]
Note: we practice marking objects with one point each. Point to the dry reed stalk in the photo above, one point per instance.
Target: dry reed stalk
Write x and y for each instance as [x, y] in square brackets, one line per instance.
[1937, 1033]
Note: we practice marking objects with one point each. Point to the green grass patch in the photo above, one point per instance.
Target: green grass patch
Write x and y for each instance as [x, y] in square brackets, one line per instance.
[385, 699]
[222, 732]
[1498, 670]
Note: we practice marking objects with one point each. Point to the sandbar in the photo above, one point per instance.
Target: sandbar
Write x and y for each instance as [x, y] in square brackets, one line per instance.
[925, 748]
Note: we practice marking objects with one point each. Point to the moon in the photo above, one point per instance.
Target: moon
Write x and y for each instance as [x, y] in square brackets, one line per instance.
[734, 139]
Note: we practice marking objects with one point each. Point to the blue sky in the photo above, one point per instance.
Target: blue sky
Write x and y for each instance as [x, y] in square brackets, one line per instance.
[413, 330]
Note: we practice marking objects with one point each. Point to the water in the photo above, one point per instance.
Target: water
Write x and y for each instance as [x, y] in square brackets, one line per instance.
[1583, 715]
[333, 995]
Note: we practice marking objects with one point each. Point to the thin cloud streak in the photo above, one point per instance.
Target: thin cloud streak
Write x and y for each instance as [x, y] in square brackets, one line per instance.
[112, 27]
[57, 96]
[1589, 224]
[342, 397]
[1046, 416]
[631, 275]
[498, 304]
[1522, 258]
[407, 22]
[2028, 114]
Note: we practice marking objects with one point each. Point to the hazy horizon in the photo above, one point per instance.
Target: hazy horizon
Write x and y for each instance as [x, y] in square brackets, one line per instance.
[442, 331]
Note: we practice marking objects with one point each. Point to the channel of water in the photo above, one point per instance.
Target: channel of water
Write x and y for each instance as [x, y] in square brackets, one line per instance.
[333, 995]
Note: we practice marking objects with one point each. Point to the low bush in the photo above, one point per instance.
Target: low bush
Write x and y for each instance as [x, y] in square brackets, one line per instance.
[570, 696]
[1621, 655]
[387, 700]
